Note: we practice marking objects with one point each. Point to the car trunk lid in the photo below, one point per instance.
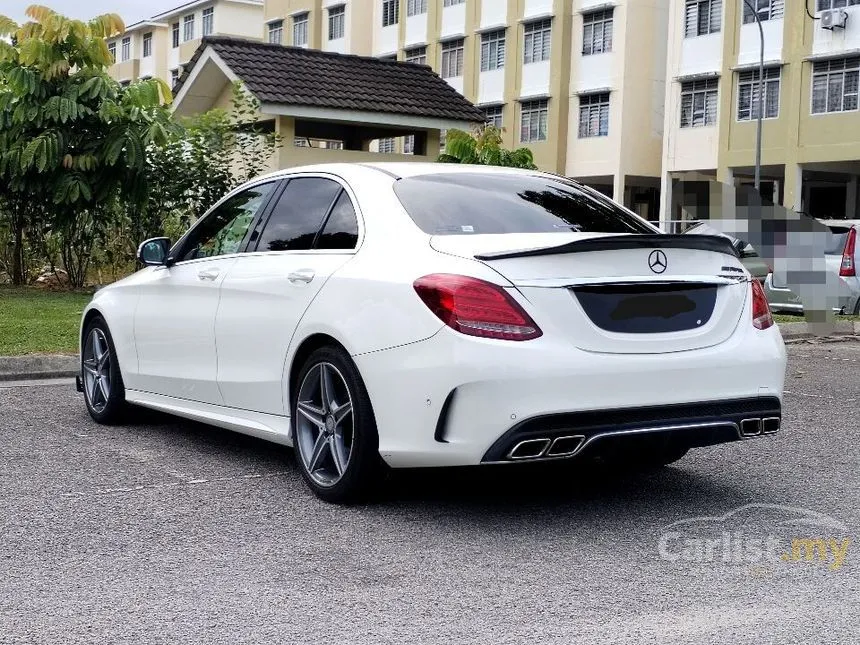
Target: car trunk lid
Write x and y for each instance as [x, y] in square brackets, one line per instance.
[615, 293]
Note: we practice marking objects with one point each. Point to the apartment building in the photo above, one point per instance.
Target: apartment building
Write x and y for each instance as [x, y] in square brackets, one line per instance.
[161, 45]
[579, 82]
[811, 122]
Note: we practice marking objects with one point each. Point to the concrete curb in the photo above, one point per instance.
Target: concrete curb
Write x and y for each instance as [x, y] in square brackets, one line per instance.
[41, 366]
[45, 366]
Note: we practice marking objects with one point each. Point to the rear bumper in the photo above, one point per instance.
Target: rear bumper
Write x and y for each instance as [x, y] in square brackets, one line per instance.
[688, 425]
[447, 400]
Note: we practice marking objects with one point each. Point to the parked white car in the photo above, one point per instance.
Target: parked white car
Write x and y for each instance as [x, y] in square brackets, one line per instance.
[438, 315]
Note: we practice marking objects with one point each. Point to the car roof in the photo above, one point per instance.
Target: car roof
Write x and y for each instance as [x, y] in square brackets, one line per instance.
[400, 169]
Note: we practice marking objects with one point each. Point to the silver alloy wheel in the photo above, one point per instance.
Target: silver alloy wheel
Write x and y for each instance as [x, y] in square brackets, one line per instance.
[324, 424]
[97, 364]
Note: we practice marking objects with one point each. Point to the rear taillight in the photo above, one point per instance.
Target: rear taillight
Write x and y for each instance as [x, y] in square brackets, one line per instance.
[847, 268]
[475, 307]
[761, 317]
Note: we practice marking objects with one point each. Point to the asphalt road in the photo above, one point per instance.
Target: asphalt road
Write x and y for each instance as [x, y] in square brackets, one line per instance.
[165, 531]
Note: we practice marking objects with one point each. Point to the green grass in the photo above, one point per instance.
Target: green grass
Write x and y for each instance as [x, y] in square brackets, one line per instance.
[33, 321]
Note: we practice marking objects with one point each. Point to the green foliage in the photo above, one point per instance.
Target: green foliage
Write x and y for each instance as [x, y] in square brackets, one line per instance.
[71, 139]
[483, 146]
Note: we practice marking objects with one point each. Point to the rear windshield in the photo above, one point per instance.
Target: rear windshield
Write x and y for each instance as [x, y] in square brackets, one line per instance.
[477, 203]
[837, 239]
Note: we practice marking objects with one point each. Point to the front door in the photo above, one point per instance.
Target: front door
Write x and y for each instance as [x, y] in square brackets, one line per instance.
[311, 232]
[174, 323]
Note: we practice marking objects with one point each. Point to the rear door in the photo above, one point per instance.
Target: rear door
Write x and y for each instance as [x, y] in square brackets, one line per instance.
[311, 230]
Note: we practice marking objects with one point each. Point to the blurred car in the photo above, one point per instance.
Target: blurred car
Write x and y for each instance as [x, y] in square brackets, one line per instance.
[842, 255]
[757, 267]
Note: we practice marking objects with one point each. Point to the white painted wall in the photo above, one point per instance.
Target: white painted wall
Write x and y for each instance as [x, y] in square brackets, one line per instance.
[594, 72]
[693, 148]
[491, 86]
[493, 13]
[416, 30]
[147, 65]
[701, 54]
[453, 20]
[535, 78]
[231, 18]
[750, 43]
[825, 41]
[384, 39]
[172, 53]
[537, 8]
[456, 82]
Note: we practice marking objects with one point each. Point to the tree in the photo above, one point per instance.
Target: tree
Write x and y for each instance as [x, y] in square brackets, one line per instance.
[484, 146]
[72, 141]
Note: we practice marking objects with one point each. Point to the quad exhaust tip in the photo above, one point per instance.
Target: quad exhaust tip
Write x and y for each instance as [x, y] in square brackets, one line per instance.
[755, 427]
[546, 448]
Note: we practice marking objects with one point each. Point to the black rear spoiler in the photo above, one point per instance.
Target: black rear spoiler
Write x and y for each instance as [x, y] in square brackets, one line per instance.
[715, 243]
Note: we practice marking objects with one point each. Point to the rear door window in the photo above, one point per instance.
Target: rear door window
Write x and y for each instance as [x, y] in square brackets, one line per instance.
[479, 203]
[341, 227]
[298, 214]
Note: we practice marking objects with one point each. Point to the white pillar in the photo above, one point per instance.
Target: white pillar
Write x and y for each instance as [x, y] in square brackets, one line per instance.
[851, 198]
[665, 201]
[618, 189]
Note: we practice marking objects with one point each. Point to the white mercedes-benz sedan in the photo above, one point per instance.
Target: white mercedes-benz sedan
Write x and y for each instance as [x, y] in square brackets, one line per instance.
[410, 314]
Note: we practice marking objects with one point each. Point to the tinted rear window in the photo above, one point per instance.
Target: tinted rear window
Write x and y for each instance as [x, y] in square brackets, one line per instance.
[836, 242]
[476, 203]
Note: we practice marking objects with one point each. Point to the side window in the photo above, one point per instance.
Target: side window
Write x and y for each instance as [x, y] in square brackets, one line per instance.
[298, 215]
[341, 229]
[223, 230]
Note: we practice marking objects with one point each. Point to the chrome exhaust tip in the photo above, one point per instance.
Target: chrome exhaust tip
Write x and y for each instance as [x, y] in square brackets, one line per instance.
[529, 449]
[751, 427]
[769, 425]
[565, 446]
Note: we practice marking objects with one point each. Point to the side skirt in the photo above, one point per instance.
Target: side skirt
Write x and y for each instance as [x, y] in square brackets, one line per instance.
[269, 427]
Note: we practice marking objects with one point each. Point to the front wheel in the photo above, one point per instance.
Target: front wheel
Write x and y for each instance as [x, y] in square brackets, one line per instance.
[334, 430]
[104, 392]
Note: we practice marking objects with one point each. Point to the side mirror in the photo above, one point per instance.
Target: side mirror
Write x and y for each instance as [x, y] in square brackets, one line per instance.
[153, 252]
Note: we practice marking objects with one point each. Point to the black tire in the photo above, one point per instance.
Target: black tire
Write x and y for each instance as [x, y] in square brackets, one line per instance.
[112, 409]
[364, 465]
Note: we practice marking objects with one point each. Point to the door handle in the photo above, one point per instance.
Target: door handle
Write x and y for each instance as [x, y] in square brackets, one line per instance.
[208, 274]
[302, 275]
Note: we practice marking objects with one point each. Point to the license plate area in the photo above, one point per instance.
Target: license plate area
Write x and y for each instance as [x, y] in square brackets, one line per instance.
[648, 308]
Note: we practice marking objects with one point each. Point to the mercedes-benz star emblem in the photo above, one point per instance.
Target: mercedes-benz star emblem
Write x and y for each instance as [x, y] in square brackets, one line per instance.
[657, 261]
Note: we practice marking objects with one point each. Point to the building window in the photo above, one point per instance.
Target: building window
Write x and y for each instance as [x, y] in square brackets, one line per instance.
[824, 5]
[452, 58]
[748, 94]
[835, 84]
[409, 144]
[147, 44]
[536, 43]
[451, 3]
[703, 17]
[594, 115]
[276, 32]
[416, 7]
[699, 103]
[112, 50]
[126, 48]
[174, 76]
[766, 10]
[597, 32]
[390, 12]
[416, 55]
[336, 22]
[533, 121]
[493, 50]
[494, 115]
[208, 21]
[300, 30]
[386, 146]
[188, 28]
[175, 35]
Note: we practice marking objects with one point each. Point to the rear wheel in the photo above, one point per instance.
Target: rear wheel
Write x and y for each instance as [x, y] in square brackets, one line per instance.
[104, 391]
[334, 430]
